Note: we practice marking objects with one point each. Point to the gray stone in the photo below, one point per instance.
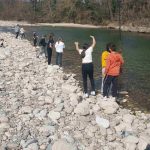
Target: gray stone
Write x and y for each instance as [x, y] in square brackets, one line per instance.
[63, 145]
[82, 108]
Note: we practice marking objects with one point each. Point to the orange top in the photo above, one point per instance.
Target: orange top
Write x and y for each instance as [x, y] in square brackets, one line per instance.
[113, 64]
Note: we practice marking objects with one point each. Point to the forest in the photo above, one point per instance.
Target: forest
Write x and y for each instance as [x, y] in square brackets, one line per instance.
[97, 12]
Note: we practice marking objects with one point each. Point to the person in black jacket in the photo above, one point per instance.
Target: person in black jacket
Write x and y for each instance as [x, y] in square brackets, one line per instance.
[50, 45]
[43, 45]
[35, 39]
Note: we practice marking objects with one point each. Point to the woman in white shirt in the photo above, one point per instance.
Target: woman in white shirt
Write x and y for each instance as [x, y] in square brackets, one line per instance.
[87, 65]
[59, 46]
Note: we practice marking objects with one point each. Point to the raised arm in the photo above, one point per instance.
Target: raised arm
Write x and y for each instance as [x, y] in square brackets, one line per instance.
[94, 41]
[77, 46]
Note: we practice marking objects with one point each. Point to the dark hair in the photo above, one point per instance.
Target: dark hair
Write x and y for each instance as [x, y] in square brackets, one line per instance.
[85, 46]
[50, 37]
[113, 47]
[108, 45]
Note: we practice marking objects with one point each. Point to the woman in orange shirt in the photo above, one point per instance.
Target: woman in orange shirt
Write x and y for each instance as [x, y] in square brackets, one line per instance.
[112, 71]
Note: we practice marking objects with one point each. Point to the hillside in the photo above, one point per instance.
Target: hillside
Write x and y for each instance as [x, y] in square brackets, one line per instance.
[96, 12]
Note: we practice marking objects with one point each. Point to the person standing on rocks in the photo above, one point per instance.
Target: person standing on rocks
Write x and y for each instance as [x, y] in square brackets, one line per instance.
[87, 65]
[50, 45]
[22, 32]
[104, 56]
[17, 30]
[59, 46]
[114, 63]
[43, 44]
[35, 39]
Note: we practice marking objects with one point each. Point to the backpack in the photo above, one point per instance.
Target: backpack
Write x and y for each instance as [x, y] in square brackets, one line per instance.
[83, 54]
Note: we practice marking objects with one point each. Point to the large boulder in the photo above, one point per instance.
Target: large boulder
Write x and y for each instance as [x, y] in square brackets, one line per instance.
[109, 107]
[82, 108]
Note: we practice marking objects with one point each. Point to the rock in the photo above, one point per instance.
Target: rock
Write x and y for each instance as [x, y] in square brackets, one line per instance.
[68, 109]
[82, 108]
[130, 146]
[128, 118]
[59, 107]
[3, 119]
[52, 69]
[102, 122]
[143, 142]
[47, 130]
[29, 142]
[26, 110]
[131, 139]
[74, 99]
[4, 126]
[66, 88]
[63, 145]
[2, 54]
[12, 146]
[121, 127]
[48, 100]
[110, 107]
[54, 115]
[33, 146]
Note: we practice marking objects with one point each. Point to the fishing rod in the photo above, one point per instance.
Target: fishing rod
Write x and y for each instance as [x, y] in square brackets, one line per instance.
[119, 4]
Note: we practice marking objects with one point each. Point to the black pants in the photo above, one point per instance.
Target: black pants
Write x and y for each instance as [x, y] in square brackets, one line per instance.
[17, 34]
[35, 42]
[59, 59]
[88, 70]
[49, 53]
[107, 83]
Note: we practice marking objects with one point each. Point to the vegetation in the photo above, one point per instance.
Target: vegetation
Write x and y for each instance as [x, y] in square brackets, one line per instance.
[77, 11]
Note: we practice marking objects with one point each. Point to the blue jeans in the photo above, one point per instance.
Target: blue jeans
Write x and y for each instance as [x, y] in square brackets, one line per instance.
[59, 59]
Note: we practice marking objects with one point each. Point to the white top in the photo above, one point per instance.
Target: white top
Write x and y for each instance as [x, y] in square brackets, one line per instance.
[21, 30]
[88, 55]
[59, 46]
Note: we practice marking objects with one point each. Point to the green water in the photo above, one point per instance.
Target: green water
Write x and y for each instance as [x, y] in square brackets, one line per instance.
[136, 52]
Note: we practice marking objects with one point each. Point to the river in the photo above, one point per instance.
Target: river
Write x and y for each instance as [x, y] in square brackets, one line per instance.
[135, 50]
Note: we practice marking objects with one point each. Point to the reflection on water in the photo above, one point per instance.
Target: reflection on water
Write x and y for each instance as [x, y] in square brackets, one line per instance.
[136, 52]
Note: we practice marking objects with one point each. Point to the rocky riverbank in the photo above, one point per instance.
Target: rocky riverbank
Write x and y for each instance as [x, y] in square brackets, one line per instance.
[42, 108]
[129, 27]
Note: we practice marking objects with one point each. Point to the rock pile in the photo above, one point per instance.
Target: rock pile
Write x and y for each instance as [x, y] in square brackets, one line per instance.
[41, 108]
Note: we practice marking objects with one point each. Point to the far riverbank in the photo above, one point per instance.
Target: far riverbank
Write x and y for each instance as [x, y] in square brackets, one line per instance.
[129, 28]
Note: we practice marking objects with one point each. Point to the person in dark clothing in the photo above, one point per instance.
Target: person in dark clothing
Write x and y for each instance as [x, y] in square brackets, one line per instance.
[1, 42]
[43, 44]
[35, 39]
[50, 45]
[17, 30]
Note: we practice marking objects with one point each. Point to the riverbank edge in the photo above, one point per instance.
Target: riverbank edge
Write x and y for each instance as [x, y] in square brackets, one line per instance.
[114, 25]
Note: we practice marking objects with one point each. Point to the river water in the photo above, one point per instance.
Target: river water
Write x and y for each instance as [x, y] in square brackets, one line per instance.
[135, 50]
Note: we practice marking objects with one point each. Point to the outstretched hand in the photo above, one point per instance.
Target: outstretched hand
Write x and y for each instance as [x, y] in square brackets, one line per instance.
[76, 43]
[91, 36]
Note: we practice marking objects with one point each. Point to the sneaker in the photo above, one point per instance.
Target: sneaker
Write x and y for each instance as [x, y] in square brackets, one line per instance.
[93, 93]
[86, 95]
